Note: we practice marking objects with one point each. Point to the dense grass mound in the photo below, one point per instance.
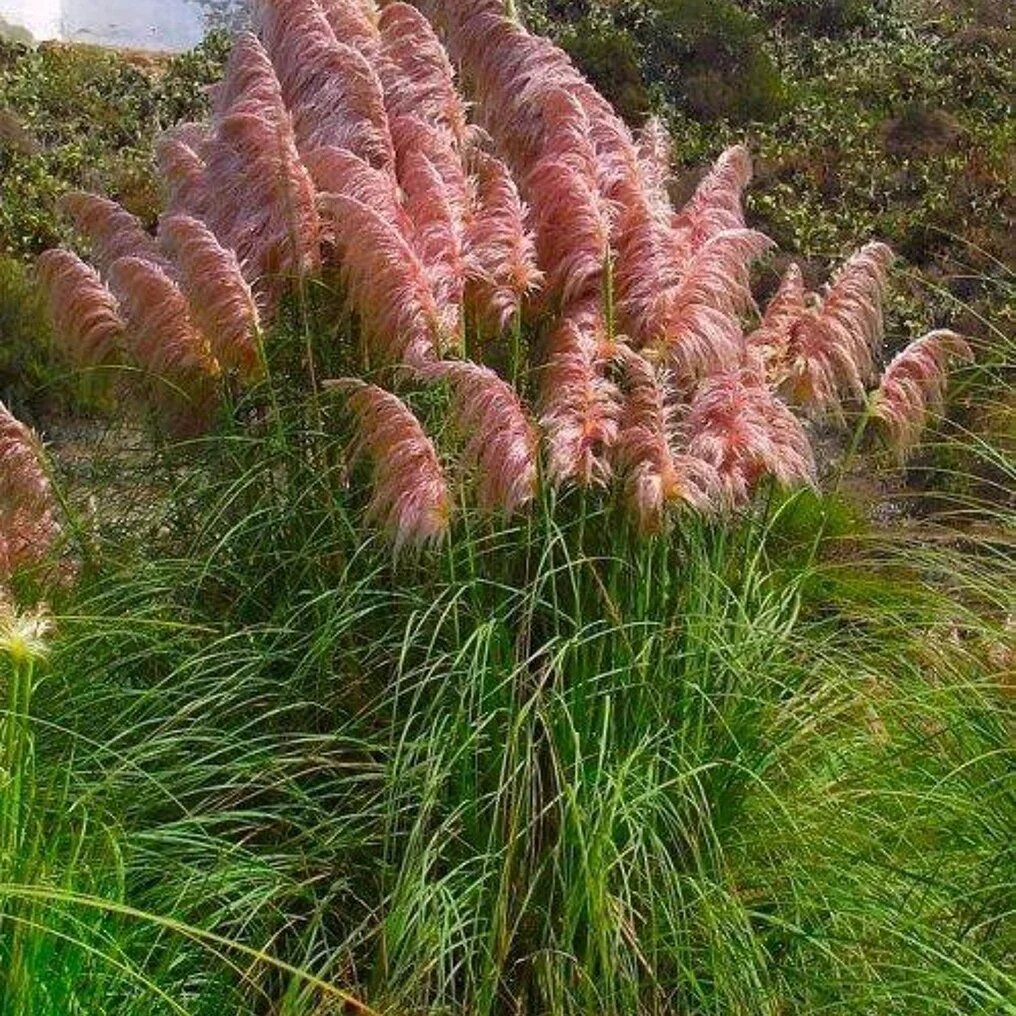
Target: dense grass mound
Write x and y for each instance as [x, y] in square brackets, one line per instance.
[539, 756]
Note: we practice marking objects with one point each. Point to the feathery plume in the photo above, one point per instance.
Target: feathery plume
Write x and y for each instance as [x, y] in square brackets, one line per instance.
[354, 22]
[654, 147]
[655, 476]
[833, 348]
[436, 237]
[266, 210]
[387, 284]
[333, 91]
[716, 204]
[738, 426]
[111, 230]
[913, 385]
[417, 75]
[413, 136]
[339, 171]
[771, 340]
[572, 222]
[249, 84]
[579, 404]
[162, 337]
[500, 440]
[184, 176]
[221, 302]
[28, 526]
[694, 325]
[85, 315]
[410, 499]
[500, 251]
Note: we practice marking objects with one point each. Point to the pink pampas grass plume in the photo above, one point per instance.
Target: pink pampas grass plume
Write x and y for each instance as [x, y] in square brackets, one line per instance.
[354, 22]
[833, 347]
[387, 283]
[413, 136]
[162, 335]
[85, 314]
[572, 231]
[249, 83]
[770, 342]
[913, 385]
[332, 90]
[410, 500]
[500, 439]
[417, 75]
[266, 208]
[437, 237]
[221, 302]
[339, 171]
[111, 230]
[654, 147]
[745, 432]
[656, 477]
[579, 404]
[184, 176]
[500, 251]
[28, 526]
[694, 325]
[716, 204]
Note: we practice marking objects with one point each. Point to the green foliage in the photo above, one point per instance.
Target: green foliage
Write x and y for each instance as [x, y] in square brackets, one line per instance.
[25, 366]
[607, 55]
[709, 57]
[89, 116]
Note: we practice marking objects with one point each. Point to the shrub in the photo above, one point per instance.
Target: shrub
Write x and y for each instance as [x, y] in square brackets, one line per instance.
[710, 57]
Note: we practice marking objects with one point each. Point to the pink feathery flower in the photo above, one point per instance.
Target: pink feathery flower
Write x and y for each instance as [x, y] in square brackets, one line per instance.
[737, 425]
[249, 83]
[354, 22]
[572, 225]
[111, 230]
[579, 404]
[387, 284]
[184, 176]
[656, 477]
[770, 342]
[413, 136]
[28, 526]
[500, 439]
[513, 73]
[437, 236]
[221, 302]
[339, 171]
[694, 325]
[336, 97]
[410, 499]
[417, 75]
[500, 251]
[85, 314]
[162, 336]
[655, 148]
[716, 204]
[266, 210]
[913, 385]
[833, 347]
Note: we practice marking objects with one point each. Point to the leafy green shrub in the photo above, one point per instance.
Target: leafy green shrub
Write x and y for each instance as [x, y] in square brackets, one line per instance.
[608, 56]
[84, 118]
[819, 17]
[709, 55]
